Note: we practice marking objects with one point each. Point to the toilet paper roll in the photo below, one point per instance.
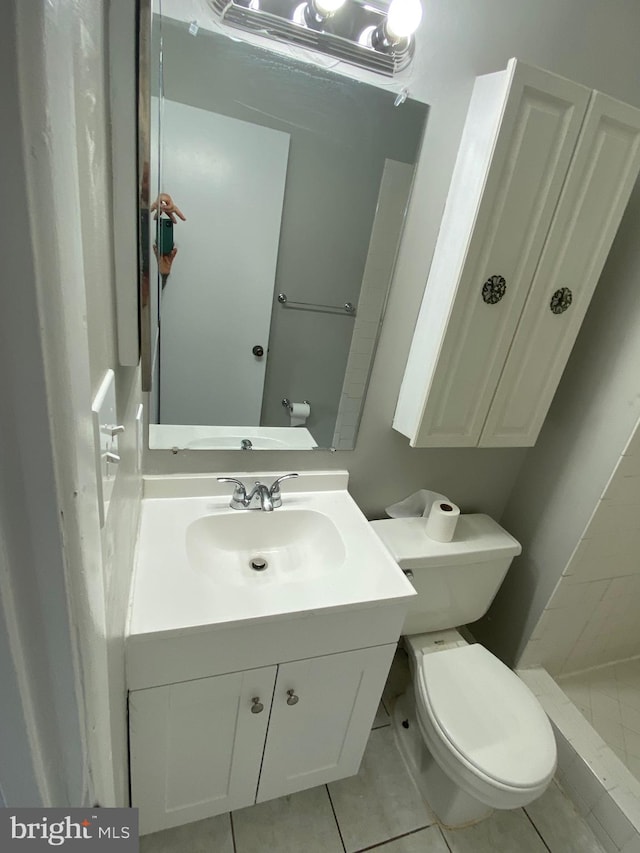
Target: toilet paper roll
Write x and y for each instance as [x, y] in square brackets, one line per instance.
[442, 521]
[419, 503]
[298, 413]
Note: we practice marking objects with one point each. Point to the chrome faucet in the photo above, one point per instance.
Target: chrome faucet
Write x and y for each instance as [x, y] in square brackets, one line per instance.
[262, 497]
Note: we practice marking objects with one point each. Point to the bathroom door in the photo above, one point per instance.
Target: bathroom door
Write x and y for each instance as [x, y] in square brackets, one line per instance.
[228, 178]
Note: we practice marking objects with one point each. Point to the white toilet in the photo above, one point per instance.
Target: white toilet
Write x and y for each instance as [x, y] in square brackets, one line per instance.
[473, 734]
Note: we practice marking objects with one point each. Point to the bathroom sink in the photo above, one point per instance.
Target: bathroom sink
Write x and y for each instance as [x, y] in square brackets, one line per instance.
[255, 548]
[194, 556]
[184, 436]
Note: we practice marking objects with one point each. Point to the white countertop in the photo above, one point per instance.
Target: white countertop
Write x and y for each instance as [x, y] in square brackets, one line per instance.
[170, 596]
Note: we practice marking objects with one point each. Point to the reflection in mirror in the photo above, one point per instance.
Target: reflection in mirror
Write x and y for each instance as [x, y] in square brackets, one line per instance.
[292, 182]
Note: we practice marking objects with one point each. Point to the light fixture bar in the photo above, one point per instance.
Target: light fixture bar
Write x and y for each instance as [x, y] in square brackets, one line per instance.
[350, 33]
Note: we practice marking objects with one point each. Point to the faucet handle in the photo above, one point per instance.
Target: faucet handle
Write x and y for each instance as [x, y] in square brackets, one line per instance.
[238, 483]
[274, 490]
[239, 496]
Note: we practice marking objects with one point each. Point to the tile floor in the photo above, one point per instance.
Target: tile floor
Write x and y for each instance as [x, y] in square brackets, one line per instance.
[609, 698]
[379, 809]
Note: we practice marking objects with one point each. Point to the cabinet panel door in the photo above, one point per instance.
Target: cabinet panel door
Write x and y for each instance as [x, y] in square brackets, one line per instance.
[196, 746]
[503, 193]
[602, 174]
[323, 736]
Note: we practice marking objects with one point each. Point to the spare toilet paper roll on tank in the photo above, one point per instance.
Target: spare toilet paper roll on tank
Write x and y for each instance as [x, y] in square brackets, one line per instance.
[440, 514]
[417, 504]
[442, 520]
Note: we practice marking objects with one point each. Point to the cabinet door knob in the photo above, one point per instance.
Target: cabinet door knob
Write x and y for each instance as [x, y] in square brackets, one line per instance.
[561, 300]
[292, 699]
[256, 705]
[494, 289]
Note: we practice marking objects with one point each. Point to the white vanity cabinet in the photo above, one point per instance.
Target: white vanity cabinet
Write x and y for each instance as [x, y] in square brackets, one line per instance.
[321, 737]
[202, 747]
[246, 686]
[543, 174]
[196, 746]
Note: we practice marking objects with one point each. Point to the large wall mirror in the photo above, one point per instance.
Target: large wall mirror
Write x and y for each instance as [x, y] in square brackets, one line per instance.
[288, 184]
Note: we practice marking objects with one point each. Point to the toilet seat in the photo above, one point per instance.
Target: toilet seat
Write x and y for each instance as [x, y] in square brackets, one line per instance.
[484, 725]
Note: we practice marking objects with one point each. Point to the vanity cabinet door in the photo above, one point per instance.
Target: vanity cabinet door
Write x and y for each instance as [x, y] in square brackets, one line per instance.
[517, 144]
[321, 718]
[602, 174]
[196, 746]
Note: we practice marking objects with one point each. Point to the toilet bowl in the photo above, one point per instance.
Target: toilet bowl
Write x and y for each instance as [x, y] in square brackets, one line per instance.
[484, 729]
[473, 735]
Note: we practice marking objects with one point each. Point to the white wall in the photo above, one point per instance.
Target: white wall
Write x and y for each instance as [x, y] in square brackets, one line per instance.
[594, 43]
[41, 739]
[592, 616]
[393, 198]
[63, 268]
[86, 41]
[19, 778]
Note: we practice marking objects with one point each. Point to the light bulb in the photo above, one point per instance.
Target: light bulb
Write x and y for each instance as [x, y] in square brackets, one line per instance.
[328, 7]
[403, 18]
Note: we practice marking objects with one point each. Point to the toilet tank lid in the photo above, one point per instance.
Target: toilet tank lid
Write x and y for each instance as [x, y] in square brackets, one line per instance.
[478, 539]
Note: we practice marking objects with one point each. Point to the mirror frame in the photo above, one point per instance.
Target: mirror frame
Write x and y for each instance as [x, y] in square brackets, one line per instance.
[144, 190]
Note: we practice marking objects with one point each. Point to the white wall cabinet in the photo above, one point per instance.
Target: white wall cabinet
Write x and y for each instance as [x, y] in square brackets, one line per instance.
[203, 747]
[543, 174]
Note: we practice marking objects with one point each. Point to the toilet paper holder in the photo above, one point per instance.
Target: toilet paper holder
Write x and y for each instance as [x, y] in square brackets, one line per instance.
[287, 403]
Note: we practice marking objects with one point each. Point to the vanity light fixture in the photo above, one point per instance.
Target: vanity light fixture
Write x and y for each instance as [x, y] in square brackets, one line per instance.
[401, 22]
[372, 34]
[315, 13]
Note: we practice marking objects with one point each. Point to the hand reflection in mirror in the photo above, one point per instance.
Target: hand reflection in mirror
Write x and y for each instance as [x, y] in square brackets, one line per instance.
[165, 204]
[164, 262]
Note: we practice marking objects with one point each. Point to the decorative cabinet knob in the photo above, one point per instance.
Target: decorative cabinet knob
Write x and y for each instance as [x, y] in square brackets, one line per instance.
[256, 705]
[292, 699]
[494, 289]
[258, 351]
[561, 300]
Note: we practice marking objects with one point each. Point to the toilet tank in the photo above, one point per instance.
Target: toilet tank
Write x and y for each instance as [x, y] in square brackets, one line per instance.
[455, 581]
